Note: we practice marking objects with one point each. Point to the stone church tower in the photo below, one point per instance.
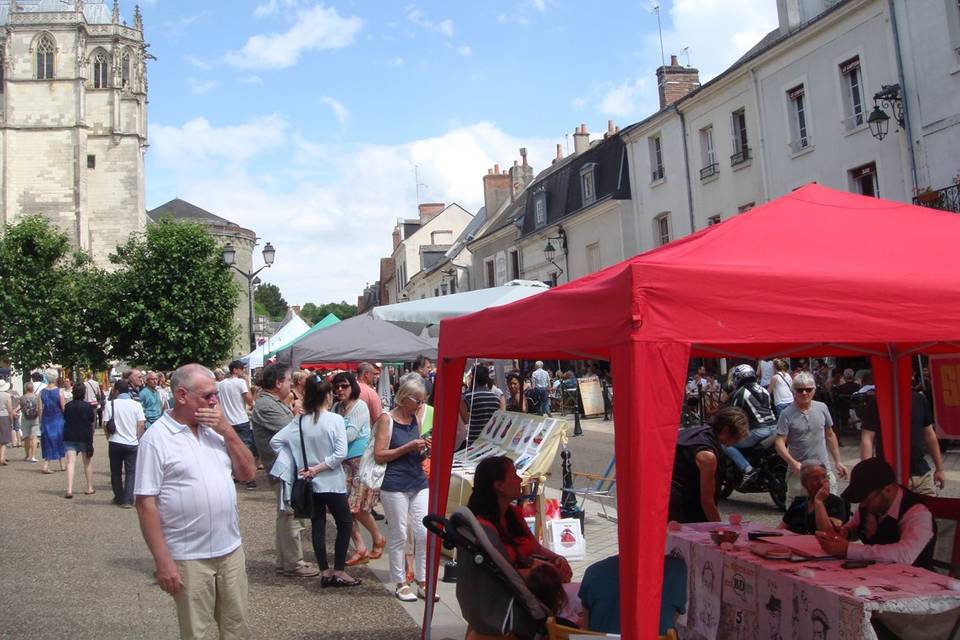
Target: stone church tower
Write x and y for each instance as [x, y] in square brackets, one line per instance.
[73, 119]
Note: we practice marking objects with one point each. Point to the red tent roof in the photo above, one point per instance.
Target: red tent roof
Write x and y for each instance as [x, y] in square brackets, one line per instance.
[815, 271]
[815, 266]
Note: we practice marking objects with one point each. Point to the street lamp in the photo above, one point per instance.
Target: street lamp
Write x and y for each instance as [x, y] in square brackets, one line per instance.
[550, 252]
[888, 97]
[229, 256]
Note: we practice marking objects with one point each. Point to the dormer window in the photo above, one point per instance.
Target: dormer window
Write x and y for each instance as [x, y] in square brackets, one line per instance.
[540, 210]
[588, 183]
[101, 70]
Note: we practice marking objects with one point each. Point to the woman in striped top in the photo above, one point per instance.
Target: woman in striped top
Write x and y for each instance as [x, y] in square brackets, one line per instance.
[479, 402]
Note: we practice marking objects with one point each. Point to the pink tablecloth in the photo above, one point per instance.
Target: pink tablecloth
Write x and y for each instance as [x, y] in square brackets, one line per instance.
[735, 594]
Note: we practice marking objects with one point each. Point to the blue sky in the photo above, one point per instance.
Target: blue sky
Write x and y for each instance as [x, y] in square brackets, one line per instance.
[303, 120]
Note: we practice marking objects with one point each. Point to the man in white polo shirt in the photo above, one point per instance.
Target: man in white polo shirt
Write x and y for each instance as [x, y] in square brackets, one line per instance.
[187, 506]
[235, 399]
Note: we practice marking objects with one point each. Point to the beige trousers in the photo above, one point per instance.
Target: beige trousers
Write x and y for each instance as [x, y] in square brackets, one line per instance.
[214, 593]
[923, 484]
[288, 542]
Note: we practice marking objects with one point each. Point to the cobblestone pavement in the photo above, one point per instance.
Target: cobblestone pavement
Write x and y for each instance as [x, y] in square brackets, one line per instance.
[79, 568]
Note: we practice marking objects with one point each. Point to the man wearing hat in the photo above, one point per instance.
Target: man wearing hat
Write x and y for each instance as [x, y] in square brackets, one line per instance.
[892, 523]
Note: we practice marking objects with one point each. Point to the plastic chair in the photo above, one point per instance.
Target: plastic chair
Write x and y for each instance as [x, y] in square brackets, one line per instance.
[947, 509]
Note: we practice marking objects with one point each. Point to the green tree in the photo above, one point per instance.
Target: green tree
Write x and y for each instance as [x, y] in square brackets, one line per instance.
[173, 298]
[269, 296]
[51, 301]
[312, 313]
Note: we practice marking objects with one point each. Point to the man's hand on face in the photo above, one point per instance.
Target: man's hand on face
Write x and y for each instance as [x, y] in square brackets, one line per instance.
[211, 417]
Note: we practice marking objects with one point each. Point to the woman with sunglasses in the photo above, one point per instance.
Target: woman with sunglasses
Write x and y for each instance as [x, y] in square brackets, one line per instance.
[324, 440]
[356, 415]
[398, 445]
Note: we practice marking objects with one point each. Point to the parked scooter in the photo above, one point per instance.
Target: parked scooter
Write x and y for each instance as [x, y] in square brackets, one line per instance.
[770, 474]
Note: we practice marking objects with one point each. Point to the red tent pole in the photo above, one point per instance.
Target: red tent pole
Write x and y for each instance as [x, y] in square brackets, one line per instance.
[448, 383]
[892, 378]
[650, 380]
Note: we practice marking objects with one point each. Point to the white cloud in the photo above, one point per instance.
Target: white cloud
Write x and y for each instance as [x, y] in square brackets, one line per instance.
[415, 15]
[338, 109]
[578, 103]
[199, 87]
[194, 61]
[464, 50]
[624, 100]
[324, 206]
[539, 5]
[396, 61]
[251, 79]
[273, 6]
[315, 29]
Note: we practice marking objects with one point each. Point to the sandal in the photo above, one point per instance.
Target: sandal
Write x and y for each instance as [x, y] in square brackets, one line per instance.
[68, 496]
[89, 493]
[360, 558]
[405, 594]
[377, 552]
[338, 581]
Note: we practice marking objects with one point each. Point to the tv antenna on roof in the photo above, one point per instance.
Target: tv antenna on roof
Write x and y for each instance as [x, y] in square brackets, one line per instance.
[655, 8]
[686, 52]
[416, 177]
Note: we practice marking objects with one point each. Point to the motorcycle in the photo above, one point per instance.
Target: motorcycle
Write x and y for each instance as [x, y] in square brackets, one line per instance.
[771, 476]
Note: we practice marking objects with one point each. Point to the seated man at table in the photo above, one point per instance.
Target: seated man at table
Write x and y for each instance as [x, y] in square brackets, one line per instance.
[693, 489]
[819, 510]
[892, 522]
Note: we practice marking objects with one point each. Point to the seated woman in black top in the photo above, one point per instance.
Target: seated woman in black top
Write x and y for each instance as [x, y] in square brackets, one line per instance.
[819, 510]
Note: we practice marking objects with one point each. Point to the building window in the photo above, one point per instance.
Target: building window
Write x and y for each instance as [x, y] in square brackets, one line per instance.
[125, 69]
[91, 162]
[712, 220]
[45, 50]
[453, 285]
[656, 158]
[863, 180]
[514, 264]
[540, 210]
[662, 228]
[491, 272]
[745, 207]
[101, 70]
[436, 292]
[593, 257]
[799, 138]
[741, 150]
[853, 93]
[1, 72]
[588, 183]
[953, 24]
[707, 154]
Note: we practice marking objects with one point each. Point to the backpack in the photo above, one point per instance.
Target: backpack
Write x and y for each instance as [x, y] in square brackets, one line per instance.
[31, 408]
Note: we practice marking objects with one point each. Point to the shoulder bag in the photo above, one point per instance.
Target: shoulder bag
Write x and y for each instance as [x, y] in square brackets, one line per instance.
[370, 473]
[111, 426]
[301, 496]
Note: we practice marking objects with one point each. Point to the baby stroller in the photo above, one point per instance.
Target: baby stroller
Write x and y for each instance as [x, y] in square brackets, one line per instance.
[493, 598]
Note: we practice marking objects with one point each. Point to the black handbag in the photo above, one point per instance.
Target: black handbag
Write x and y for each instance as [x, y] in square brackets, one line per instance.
[301, 497]
[111, 426]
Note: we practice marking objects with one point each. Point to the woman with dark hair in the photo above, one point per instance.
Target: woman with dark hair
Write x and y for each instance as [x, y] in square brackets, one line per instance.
[356, 415]
[78, 417]
[479, 402]
[496, 487]
[123, 444]
[324, 439]
[516, 401]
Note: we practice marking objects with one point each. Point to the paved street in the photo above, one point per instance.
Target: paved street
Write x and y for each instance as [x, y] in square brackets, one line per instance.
[79, 568]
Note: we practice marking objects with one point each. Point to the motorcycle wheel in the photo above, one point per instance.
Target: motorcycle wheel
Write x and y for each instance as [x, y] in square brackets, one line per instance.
[728, 479]
[777, 485]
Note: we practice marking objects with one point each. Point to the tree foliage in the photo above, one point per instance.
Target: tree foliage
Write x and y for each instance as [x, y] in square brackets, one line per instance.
[51, 301]
[173, 297]
[312, 313]
[268, 295]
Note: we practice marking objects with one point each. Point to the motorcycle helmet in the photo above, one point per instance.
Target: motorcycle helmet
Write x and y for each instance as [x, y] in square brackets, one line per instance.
[743, 373]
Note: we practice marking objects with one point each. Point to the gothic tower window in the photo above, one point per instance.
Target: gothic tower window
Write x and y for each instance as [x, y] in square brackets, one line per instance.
[125, 69]
[45, 50]
[1, 72]
[101, 70]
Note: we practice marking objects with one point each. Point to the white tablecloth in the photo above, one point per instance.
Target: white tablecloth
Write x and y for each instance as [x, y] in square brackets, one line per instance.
[737, 595]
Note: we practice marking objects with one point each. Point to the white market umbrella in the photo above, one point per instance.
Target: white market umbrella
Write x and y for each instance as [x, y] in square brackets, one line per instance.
[418, 314]
[293, 329]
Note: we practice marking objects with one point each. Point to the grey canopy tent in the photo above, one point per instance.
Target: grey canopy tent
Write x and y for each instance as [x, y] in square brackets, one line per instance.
[356, 339]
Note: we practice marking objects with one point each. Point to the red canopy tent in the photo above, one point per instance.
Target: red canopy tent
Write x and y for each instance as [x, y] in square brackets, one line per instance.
[814, 272]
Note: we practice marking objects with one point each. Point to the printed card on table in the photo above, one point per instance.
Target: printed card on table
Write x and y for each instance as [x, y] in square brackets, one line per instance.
[706, 588]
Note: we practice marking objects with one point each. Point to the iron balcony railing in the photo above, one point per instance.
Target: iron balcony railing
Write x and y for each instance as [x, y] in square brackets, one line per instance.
[709, 170]
[740, 157]
[947, 199]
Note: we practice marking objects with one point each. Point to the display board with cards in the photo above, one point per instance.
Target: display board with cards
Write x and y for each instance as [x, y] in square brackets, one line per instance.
[531, 441]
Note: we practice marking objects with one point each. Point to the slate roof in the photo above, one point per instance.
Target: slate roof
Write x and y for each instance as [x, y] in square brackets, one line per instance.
[95, 11]
[183, 210]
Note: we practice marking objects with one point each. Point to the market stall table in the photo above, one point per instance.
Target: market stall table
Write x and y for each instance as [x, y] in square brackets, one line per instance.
[734, 593]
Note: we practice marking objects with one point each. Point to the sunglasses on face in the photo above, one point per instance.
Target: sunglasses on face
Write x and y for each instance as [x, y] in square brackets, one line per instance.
[419, 401]
[805, 390]
[344, 385]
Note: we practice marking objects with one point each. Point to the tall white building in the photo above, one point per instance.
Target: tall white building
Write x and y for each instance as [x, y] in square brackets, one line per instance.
[73, 119]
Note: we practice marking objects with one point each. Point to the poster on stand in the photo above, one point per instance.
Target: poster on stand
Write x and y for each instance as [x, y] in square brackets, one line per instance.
[945, 382]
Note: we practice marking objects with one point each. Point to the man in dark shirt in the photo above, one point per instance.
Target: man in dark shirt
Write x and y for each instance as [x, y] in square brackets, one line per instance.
[819, 510]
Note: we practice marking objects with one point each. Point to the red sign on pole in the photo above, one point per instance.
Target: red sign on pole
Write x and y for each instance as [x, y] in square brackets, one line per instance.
[945, 378]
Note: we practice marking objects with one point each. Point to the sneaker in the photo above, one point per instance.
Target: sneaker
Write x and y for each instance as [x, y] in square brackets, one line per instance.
[748, 477]
[405, 593]
[302, 571]
[376, 516]
[422, 593]
[252, 485]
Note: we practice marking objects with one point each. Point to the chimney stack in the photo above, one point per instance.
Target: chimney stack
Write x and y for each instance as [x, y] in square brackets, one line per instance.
[788, 12]
[581, 139]
[611, 130]
[559, 154]
[520, 175]
[429, 210]
[496, 190]
[396, 237]
[675, 82]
